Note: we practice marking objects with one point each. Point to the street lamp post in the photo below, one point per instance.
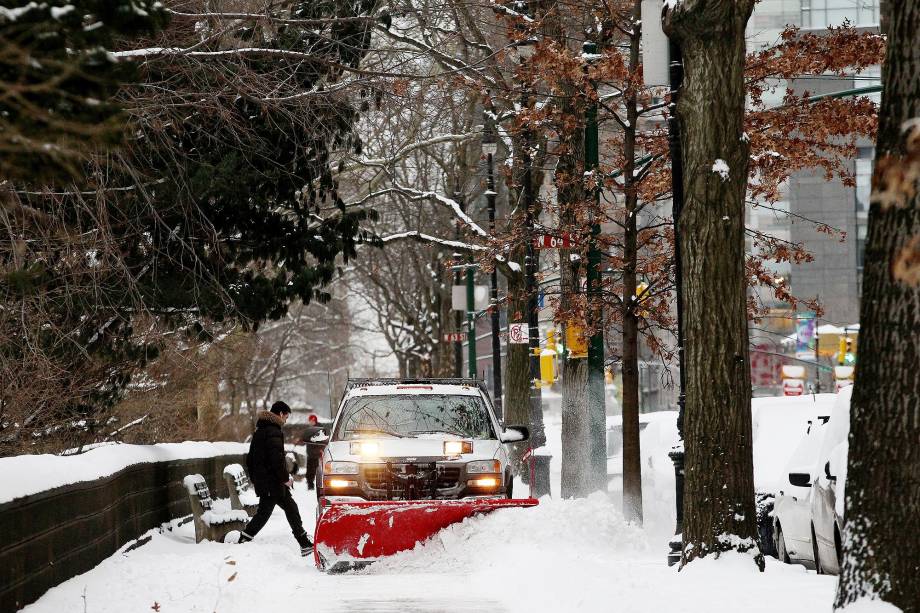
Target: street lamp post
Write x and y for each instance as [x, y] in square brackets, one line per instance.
[677, 199]
[489, 148]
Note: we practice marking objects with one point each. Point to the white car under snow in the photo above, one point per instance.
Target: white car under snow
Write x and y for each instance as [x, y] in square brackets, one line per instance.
[808, 512]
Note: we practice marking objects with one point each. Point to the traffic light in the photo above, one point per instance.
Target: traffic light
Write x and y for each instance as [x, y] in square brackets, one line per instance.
[845, 351]
[575, 341]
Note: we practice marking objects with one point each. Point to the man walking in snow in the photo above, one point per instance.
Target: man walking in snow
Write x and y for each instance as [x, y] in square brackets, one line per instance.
[269, 476]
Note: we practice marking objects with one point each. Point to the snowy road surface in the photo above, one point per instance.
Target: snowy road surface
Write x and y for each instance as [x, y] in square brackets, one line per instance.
[558, 557]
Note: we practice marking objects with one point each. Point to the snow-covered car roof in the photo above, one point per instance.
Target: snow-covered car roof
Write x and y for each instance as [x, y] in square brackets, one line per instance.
[451, 389]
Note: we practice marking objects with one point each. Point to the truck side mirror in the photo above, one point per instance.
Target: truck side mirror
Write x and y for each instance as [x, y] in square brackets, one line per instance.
[514, 434]
[800, 479]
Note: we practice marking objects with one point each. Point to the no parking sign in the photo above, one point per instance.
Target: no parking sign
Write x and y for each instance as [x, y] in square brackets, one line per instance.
[518, 333]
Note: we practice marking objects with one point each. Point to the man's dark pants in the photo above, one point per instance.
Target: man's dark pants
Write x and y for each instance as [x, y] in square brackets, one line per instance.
[312, 465]
[267, 501]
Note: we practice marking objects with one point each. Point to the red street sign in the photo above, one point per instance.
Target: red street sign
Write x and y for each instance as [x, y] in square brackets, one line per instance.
[549, 241]
[455, 337]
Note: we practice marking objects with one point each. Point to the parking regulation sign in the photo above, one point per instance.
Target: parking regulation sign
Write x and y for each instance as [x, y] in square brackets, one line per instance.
[518, 333]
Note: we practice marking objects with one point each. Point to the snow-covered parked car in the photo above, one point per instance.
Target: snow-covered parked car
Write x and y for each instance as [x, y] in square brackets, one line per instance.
[827, 489]
[420, 439]
[792, 507]
[778, 425]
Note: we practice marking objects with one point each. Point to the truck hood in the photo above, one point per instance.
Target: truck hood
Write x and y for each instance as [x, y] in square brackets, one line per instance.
[393, 448]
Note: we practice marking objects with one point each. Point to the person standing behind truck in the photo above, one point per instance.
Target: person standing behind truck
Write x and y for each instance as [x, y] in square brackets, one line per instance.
[268, 473]
[315, 437]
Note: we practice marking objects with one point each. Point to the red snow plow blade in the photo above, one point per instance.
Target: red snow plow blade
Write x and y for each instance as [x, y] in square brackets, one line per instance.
[352, 534]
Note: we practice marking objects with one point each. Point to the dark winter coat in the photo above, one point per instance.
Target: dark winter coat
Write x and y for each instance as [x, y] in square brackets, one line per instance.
[265, 461]
[315, 448]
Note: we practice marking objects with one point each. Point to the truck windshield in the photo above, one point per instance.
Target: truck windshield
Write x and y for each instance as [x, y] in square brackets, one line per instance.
[412, 415]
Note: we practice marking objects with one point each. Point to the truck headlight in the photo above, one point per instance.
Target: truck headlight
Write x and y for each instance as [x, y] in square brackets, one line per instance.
[340, 483]
[483, 466]
[340, 468]
[489, 482]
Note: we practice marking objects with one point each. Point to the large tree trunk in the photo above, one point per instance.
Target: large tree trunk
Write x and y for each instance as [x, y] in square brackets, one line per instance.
[632, 463]
[578, 475]
[576, 448]
[719, 488]
[576, 456]
[881, 555]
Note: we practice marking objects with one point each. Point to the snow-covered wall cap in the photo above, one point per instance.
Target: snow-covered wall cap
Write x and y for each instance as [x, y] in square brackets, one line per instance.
[234, 470]
[30, 474]
[191, 483]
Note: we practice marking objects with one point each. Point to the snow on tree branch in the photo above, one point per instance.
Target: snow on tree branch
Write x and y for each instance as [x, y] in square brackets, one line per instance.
[414, 194]
[427, 238]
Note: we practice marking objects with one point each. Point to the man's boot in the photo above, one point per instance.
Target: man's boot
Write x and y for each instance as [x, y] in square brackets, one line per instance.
[306, 545]
[244, 538]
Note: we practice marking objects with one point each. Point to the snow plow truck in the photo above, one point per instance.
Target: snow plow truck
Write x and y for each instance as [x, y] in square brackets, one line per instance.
[405, 459]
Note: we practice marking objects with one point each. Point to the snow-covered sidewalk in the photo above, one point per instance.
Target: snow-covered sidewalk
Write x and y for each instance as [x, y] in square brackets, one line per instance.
[560, 556]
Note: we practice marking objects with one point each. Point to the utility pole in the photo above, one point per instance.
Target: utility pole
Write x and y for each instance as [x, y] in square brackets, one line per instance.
[489, 148]
[596, 405]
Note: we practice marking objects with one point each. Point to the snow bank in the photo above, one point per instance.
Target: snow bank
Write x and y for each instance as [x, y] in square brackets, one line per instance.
[30, 474]
[578, 530]
[580, 555]
[871, 605]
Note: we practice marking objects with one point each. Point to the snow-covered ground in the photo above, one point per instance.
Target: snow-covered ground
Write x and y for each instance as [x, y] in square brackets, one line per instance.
[560, 556]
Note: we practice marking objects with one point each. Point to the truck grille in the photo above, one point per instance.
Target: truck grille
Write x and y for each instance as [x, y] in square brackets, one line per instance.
[376, 476]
